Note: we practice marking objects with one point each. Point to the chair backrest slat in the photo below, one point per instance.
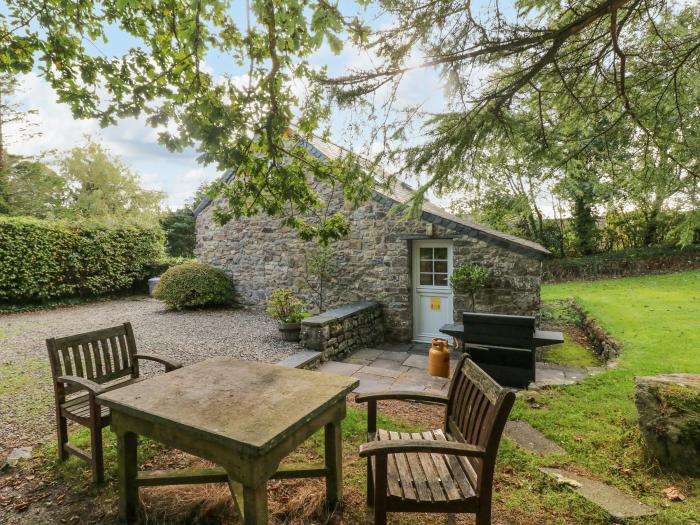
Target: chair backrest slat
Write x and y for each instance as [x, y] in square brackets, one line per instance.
[476, 414]
[101, 356]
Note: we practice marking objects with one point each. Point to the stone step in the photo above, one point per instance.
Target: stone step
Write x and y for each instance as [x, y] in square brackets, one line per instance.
[618, 504]
[303, 359]
[531, 439]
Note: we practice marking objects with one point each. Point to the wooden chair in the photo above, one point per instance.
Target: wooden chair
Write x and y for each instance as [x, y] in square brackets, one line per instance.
[445, 470]
[93, 362]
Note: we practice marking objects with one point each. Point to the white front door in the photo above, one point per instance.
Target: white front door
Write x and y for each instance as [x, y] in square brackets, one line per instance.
[432, 294]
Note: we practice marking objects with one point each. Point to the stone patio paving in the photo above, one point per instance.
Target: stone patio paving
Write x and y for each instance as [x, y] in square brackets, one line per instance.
[404, 366]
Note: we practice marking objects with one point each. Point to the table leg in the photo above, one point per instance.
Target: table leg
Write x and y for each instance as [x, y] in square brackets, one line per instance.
[334, 464]
[127, 465]
[251, 502]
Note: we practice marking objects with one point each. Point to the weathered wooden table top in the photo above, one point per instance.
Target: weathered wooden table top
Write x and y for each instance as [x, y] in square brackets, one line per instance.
[245, 405]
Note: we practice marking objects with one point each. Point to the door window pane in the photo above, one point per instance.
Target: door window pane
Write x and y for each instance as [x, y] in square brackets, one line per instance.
[433, 267]
[440, 253]
[426, 279]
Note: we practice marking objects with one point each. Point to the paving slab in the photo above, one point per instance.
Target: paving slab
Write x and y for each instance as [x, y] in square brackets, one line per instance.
[372, 383]
[420, 348]
[549, 374]
[381, 372]
[618, 504]
[417, 361]
[531, 439]
[395, 347]
[394, 355]
[357, 360]
[338, 368]
[367, 353]
[388, 364]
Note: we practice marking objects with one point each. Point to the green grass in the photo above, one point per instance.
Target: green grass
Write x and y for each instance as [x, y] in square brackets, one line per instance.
[570, 353]
[656, 320]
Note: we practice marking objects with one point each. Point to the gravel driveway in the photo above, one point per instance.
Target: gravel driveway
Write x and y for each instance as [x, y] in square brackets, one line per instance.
[26, 398]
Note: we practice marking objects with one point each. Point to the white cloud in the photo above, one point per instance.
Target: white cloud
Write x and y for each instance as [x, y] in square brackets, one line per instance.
[176, 174]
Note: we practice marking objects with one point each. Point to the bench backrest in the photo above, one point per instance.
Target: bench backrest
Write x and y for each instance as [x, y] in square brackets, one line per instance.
[101, 356]
[477, 411]
[515, 331]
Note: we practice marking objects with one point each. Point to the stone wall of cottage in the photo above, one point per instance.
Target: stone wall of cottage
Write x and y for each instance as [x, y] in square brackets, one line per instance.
[373, 263]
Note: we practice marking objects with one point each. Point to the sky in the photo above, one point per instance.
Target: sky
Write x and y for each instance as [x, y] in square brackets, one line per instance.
[178, 175]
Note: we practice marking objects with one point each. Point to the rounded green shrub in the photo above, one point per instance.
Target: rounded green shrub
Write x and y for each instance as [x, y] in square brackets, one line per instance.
[194, 285]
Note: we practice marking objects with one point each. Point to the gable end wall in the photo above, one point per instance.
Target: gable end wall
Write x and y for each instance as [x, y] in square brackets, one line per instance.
[373, 263]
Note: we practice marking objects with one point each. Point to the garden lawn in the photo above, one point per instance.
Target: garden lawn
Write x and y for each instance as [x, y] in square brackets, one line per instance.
[657, 320]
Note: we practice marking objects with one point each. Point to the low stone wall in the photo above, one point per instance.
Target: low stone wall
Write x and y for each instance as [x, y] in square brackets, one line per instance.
[603, 344]
[344, 329]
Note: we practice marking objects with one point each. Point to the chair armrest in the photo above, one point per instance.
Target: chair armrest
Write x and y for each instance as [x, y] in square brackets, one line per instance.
[168, 363]
[401, 395]
[454, 448]
[82, 383]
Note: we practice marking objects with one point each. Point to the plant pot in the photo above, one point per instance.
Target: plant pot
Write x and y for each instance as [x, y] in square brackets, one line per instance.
[290, 331]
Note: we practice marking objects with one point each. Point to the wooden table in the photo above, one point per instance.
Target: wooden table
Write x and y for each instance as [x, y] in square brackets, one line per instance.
[244, 416]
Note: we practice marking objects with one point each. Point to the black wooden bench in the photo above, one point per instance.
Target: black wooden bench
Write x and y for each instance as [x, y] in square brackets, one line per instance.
[504, 346]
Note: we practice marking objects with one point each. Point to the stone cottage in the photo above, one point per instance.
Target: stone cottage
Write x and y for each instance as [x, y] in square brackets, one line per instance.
[403, 263]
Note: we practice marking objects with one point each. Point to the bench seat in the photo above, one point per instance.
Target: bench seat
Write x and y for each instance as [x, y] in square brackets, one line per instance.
[428, 478]
[78, 408]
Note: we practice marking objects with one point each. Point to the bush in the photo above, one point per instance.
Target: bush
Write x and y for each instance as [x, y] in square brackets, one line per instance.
[194, 285]
[285, 307]
[160, 266]
[41, 260]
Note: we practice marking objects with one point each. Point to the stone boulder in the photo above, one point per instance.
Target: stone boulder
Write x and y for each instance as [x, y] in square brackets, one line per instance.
[669, 418]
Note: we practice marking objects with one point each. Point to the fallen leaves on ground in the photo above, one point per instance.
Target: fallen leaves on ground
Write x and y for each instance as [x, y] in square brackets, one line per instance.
[673, 494]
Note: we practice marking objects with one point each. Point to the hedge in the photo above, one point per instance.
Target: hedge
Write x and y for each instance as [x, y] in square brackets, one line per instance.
[622, 263]
[41, 260]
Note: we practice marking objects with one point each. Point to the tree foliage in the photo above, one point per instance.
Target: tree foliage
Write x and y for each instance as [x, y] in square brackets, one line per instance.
[237, 124]
[552, 87]
[585, 91]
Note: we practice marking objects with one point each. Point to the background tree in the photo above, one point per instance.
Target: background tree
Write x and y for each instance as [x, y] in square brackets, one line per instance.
[320, 264]
[32, 188]
[15, 125]
[101, 187]
[179, 225]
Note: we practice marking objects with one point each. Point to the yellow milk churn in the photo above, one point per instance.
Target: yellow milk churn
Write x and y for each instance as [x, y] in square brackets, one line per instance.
[439, 358]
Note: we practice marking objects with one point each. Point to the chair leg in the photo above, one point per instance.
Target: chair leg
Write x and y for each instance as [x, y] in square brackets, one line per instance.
[62, 434]
[98, 469]
[380, 490]
[370, 484]
[483, 517]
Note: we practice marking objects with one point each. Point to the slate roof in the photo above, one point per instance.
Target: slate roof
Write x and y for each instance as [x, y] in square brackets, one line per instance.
[400, 193]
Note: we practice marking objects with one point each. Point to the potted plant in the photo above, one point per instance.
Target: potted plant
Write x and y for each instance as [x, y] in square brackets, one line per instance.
[288, 310]
[469, 278]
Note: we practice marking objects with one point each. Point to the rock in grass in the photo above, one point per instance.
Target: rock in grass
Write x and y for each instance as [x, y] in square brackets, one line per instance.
[15, 455]
[669, 418]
